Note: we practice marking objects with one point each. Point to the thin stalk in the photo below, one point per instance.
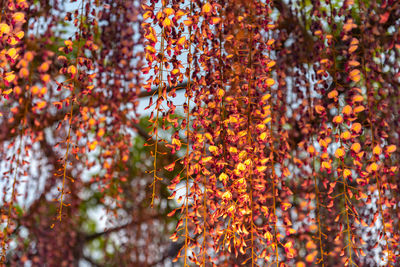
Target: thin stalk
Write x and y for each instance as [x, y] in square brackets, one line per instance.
[349, 245]
[155, 127]
[250, 142]
[13, 192]
[317, 193]
[272, 142]
[318, 213]
[188, 93]
[204, 219]
[68, 140]
[376, 176]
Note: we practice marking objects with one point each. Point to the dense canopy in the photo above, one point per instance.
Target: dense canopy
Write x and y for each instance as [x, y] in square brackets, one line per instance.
[199, 132]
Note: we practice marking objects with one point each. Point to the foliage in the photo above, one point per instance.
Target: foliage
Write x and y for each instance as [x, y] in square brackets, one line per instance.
[283, 152]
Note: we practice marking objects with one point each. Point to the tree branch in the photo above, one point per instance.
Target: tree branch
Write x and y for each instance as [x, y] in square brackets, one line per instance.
[91, 237]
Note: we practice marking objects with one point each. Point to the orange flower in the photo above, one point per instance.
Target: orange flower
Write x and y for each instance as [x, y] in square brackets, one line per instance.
[339, 153]
[207, 8]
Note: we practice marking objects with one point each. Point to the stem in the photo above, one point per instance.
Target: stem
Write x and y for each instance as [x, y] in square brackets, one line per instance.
[204, 219]
[250, 142]
[71, 99]
[65, 163]
[349, 245]
[155, 127]
[376, 176]
[11, 204]
[318, 212]
[272, 141]
[188, 93]
[316, 189]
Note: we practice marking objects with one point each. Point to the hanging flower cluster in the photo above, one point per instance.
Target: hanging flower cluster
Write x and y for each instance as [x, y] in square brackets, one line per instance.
[273, 128]
[68, 104]
[279, 142]
[14, 63]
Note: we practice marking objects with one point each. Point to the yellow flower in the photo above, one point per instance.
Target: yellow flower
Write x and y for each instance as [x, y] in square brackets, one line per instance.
[326, 165]
[176, 142]
[377, 150]
[10, 76]
[223, 177]
[270, 81]
[391, 149]
[373, 167]
[311, 150]
[355, 75]
[213, 149]
[92, 145]
[263, 136]
[72, 70]
[356, 127]
[241, 166]
[345, 135]
[346, 173]
[18, 17]
[319, 109]
[347, 110]
[356, 147]
[339, 153]
[4, 29]
[12, 53]
[338, 119]
[265, 97]
[207, 8]
[227, 195]
[168, 11]
[167, 22]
